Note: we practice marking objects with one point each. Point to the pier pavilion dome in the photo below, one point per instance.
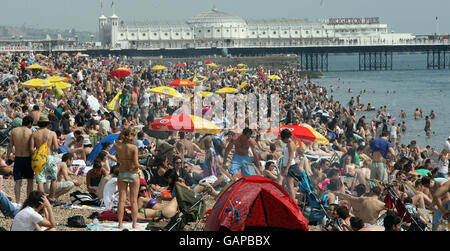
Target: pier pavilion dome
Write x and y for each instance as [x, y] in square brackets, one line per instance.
[215, 24]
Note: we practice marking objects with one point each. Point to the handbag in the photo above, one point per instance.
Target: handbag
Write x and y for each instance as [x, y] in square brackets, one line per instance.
[76, 221]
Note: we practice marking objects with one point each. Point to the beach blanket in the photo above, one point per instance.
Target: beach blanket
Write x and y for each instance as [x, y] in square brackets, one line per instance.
[112, 226]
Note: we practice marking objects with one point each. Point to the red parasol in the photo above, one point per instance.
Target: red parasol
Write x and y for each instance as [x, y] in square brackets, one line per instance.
[120, 73]
[182, 82]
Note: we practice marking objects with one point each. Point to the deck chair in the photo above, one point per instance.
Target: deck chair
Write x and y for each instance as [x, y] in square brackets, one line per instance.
[192, 208]
[317, 207]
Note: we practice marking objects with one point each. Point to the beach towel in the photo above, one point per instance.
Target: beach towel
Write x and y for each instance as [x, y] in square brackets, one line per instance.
[113, 226]
[110, 215]
[39, 158]
[84, 207]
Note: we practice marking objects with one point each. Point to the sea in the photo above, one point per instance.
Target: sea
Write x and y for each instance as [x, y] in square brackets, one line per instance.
[409, 85]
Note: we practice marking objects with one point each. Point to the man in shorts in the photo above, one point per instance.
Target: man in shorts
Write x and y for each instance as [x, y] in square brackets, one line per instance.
[240, 159]
[20, 141]
[380, 148]
[50, 170]
[64, 183]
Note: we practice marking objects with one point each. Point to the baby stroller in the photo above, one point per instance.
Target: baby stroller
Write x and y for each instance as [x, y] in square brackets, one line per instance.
[394, 203]
[313, 207]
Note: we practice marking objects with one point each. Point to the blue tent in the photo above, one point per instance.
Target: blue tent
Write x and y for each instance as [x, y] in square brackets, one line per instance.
[110, 139]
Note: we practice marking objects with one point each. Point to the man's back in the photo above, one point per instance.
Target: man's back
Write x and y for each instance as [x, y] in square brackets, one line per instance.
[21, 141]
[380, 145]
[369, 209]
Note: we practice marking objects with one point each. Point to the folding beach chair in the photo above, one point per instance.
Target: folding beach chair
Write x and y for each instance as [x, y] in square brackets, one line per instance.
[192, 208]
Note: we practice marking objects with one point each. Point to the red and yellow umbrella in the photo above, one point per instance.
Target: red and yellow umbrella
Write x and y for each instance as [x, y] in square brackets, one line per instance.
[182, 82]
[48, 69]
[304, 133]
[121, 72]
[185, 123]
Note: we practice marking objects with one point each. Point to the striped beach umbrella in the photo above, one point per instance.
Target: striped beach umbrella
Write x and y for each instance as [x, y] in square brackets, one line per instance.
[197, 78]
[185, 123]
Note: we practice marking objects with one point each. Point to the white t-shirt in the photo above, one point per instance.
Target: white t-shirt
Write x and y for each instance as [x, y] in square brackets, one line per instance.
[447, 145]
[69, 139]
[26, 220]
[146, 98]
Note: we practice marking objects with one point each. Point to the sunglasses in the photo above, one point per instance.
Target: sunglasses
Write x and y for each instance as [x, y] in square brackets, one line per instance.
[143, 191]
[178, 162]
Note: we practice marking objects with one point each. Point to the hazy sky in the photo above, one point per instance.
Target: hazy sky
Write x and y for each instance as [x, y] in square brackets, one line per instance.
[412, 16]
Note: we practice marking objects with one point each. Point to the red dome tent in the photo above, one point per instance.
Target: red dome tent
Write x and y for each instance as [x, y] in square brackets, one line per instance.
[255, 202]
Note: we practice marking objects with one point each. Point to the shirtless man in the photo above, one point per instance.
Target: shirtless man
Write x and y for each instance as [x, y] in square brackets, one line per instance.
[134, 107]
[402, 114]
[433, 186]
[444, 208]
[35, 114]
[191, 148]
[20, 140]
[362, 175]
[366, 208]
[50, 170]
[241, 159]
[417, 114]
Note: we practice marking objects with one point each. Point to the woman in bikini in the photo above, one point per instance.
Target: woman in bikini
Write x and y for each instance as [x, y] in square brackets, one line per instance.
[127, 156]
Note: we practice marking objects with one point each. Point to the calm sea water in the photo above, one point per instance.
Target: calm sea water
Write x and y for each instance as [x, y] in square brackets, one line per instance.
[414, 87]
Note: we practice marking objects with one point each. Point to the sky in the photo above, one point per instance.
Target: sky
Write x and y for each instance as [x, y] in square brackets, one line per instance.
[405, 16]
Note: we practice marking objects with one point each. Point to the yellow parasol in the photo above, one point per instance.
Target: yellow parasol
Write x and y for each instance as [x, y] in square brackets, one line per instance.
[227, 90]
[275, 77]
[241, 65]
[211, 65]
[35, 67]
[158, 67]
[243, 84]
[37, 83]
[244, 70]
[114, 105]
[168, 91]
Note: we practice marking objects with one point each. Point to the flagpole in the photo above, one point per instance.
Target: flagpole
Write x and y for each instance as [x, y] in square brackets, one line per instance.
[437, 26]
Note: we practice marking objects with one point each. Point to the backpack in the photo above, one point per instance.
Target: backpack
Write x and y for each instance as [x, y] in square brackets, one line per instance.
[84, 198]
[76, 221]
[39, 158]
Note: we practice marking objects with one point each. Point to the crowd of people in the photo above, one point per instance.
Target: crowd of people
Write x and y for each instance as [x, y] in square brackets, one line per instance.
[364, 162]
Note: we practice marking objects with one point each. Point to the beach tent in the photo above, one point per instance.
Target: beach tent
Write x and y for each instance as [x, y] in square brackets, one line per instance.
[111, 139]
[255, 203]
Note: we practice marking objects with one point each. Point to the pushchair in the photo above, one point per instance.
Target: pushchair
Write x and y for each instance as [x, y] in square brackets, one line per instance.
[394, 203]
[191, 209]
[313, 207]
